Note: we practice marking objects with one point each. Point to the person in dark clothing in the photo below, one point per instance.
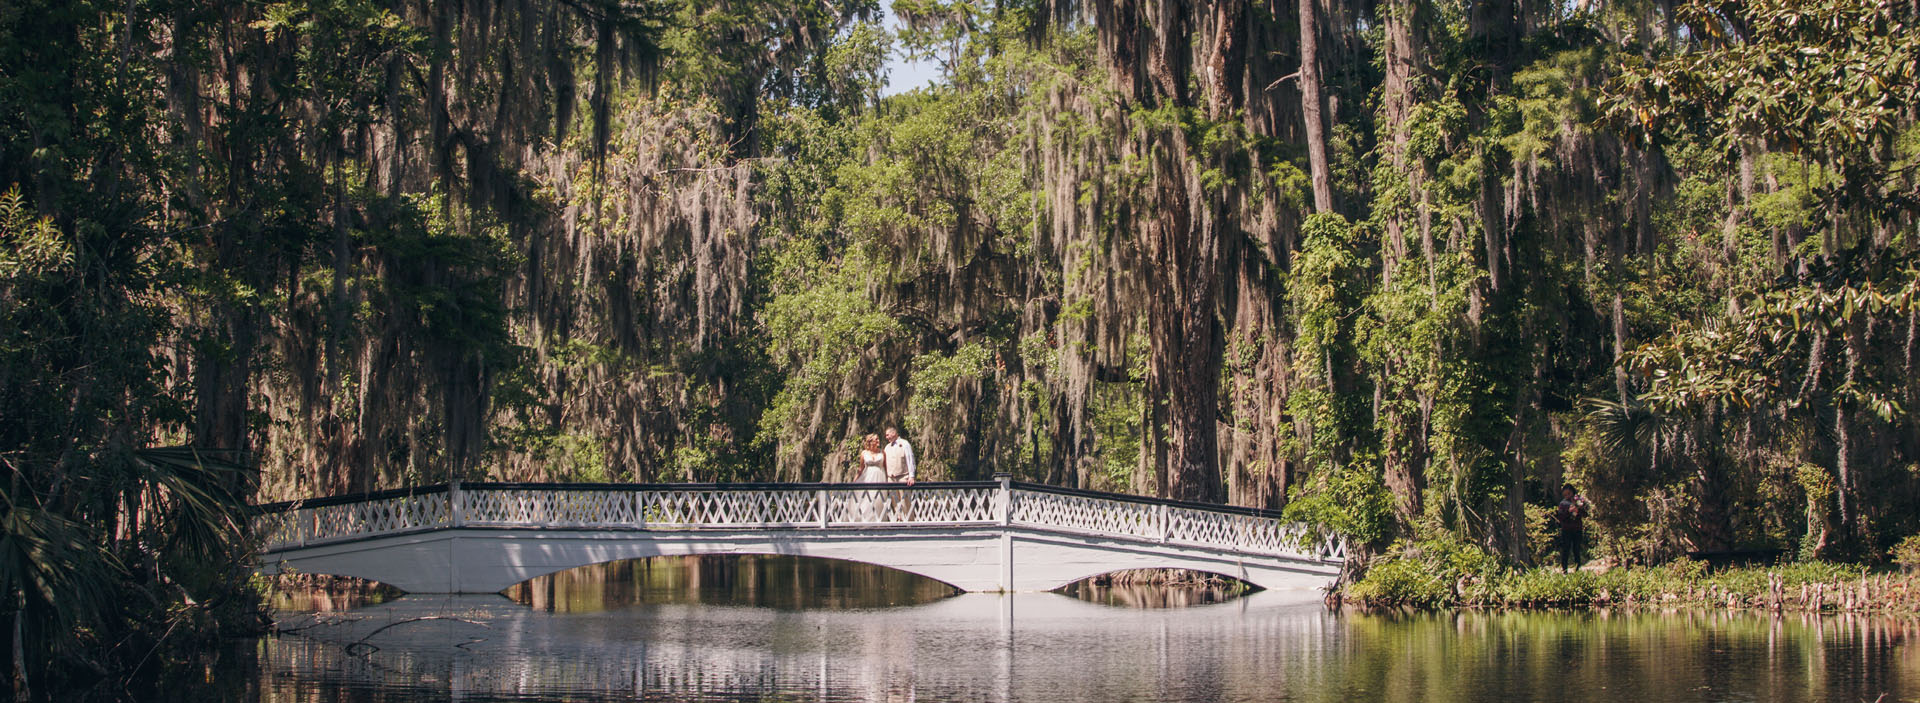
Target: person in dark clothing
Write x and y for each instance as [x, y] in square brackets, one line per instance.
[1571, 515]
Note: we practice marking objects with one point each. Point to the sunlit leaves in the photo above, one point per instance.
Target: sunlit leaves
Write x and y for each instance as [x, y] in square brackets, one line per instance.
[1828, 78]
[1775, 346]
[29, 245]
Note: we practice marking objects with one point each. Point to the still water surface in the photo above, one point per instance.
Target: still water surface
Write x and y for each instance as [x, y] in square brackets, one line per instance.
[803, 630]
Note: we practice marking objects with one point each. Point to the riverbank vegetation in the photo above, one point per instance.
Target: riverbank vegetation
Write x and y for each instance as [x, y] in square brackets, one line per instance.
[1439, 574]
[1400, 268]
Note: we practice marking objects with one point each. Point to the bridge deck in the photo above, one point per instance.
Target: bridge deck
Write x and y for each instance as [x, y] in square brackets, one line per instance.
[815, 515]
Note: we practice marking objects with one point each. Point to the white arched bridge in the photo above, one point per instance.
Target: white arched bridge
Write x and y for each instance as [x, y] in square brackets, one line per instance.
[974, 535]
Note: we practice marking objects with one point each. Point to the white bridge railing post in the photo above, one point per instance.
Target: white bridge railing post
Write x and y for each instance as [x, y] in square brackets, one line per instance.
[1003, 500]
[820, 499]
[1003, 514]
[455, 513]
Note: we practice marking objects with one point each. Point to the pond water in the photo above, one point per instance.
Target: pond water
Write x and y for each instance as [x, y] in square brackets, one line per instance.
[750, 629]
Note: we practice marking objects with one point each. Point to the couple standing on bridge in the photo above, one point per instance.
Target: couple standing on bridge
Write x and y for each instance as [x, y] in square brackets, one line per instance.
[892, 463]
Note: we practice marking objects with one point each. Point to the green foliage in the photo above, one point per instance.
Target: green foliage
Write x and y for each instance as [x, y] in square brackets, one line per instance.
[1402, 582]
[1907, 553]
[1432, 572]
[1431, 575]
[1349, 499]
[29, 246]
[938, 379]
[1343, 492]
[822, 338]
[1546, 587]
[1829, 77]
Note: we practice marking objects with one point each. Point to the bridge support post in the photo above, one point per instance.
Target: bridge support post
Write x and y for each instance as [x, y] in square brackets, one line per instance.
[456, 518]
[1003, 514]
[454, 513]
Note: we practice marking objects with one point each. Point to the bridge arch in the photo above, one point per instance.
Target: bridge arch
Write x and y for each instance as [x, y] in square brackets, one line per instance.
[670, 554]
[1096, 578]
[775, 581]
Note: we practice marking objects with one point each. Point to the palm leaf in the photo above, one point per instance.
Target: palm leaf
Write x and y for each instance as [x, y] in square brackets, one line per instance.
[1623, 427]
[202, 489]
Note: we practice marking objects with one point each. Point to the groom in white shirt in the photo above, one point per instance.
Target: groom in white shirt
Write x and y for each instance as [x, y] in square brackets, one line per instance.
[900, 466]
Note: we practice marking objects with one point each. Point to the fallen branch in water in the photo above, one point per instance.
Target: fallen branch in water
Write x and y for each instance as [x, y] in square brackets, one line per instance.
[362, 642]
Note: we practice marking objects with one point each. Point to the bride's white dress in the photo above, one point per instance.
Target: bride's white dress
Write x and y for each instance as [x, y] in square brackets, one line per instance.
[873, 467]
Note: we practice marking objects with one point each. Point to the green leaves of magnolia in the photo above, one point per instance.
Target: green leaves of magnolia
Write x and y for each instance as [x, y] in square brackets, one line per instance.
[1776, 345]
[1832, 81]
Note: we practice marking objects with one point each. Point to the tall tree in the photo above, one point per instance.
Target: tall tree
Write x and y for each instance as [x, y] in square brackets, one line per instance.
[1314, 105]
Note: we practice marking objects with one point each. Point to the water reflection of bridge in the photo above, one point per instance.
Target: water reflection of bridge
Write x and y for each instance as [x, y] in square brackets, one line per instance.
[961, 648]
[976, 536]
[1048, 648]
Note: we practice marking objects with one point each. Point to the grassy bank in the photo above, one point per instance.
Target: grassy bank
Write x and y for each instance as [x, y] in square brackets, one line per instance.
[1439, 578]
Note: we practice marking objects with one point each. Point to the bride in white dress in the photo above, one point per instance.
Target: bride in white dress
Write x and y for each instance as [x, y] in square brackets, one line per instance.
[873, 461]
[873, 469]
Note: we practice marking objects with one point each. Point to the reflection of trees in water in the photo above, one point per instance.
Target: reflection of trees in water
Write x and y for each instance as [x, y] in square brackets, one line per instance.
[504, 650]
[1682, 655]
[1157, 588]
[323, 593]
[1064, 649]
[303, 666]
[783, 582]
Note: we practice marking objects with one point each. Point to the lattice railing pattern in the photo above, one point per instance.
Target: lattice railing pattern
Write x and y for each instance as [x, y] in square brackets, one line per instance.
[1174, 524]
[796, 507]
[353, 520]
[946, 506]
[548, 508]
[1085, 514]
[747, 508]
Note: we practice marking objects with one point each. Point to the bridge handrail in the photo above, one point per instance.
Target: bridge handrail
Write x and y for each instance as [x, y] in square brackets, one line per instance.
[1150, 500]
[494, 484]
[671, 506]
[345, 498]
[1169, 521]
[679, 506]
[760, 486]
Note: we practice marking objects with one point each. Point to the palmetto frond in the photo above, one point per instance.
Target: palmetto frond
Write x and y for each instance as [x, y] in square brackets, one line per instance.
[54, 568]
[199, 486]
[1624, 427]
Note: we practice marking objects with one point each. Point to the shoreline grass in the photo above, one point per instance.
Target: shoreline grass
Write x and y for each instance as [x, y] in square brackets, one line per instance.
[1430, 583]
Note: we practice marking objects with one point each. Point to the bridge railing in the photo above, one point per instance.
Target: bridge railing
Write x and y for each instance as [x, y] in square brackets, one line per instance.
[686, 507]
[350, 517]
[787, 506]
[1248, 530]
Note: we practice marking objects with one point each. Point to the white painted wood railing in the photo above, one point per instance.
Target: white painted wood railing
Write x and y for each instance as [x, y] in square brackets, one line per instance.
[788, 506]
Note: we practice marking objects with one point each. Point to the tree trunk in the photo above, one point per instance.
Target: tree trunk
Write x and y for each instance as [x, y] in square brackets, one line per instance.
[21, 690]
[1403, 456]
[1313, 107]
[1182, 323]
[1620, 348]
[1183, 384]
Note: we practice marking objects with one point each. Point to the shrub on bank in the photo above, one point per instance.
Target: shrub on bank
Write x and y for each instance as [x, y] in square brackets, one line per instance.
[1646, 583]
[1429, 573]
[1438, 573]
[1401, 582]
[1907, 553]
[1547, 587]
[1754, 580]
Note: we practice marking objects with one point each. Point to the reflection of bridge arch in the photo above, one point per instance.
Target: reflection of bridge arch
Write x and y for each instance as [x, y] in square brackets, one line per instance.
[960, 648]
[976, 536]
